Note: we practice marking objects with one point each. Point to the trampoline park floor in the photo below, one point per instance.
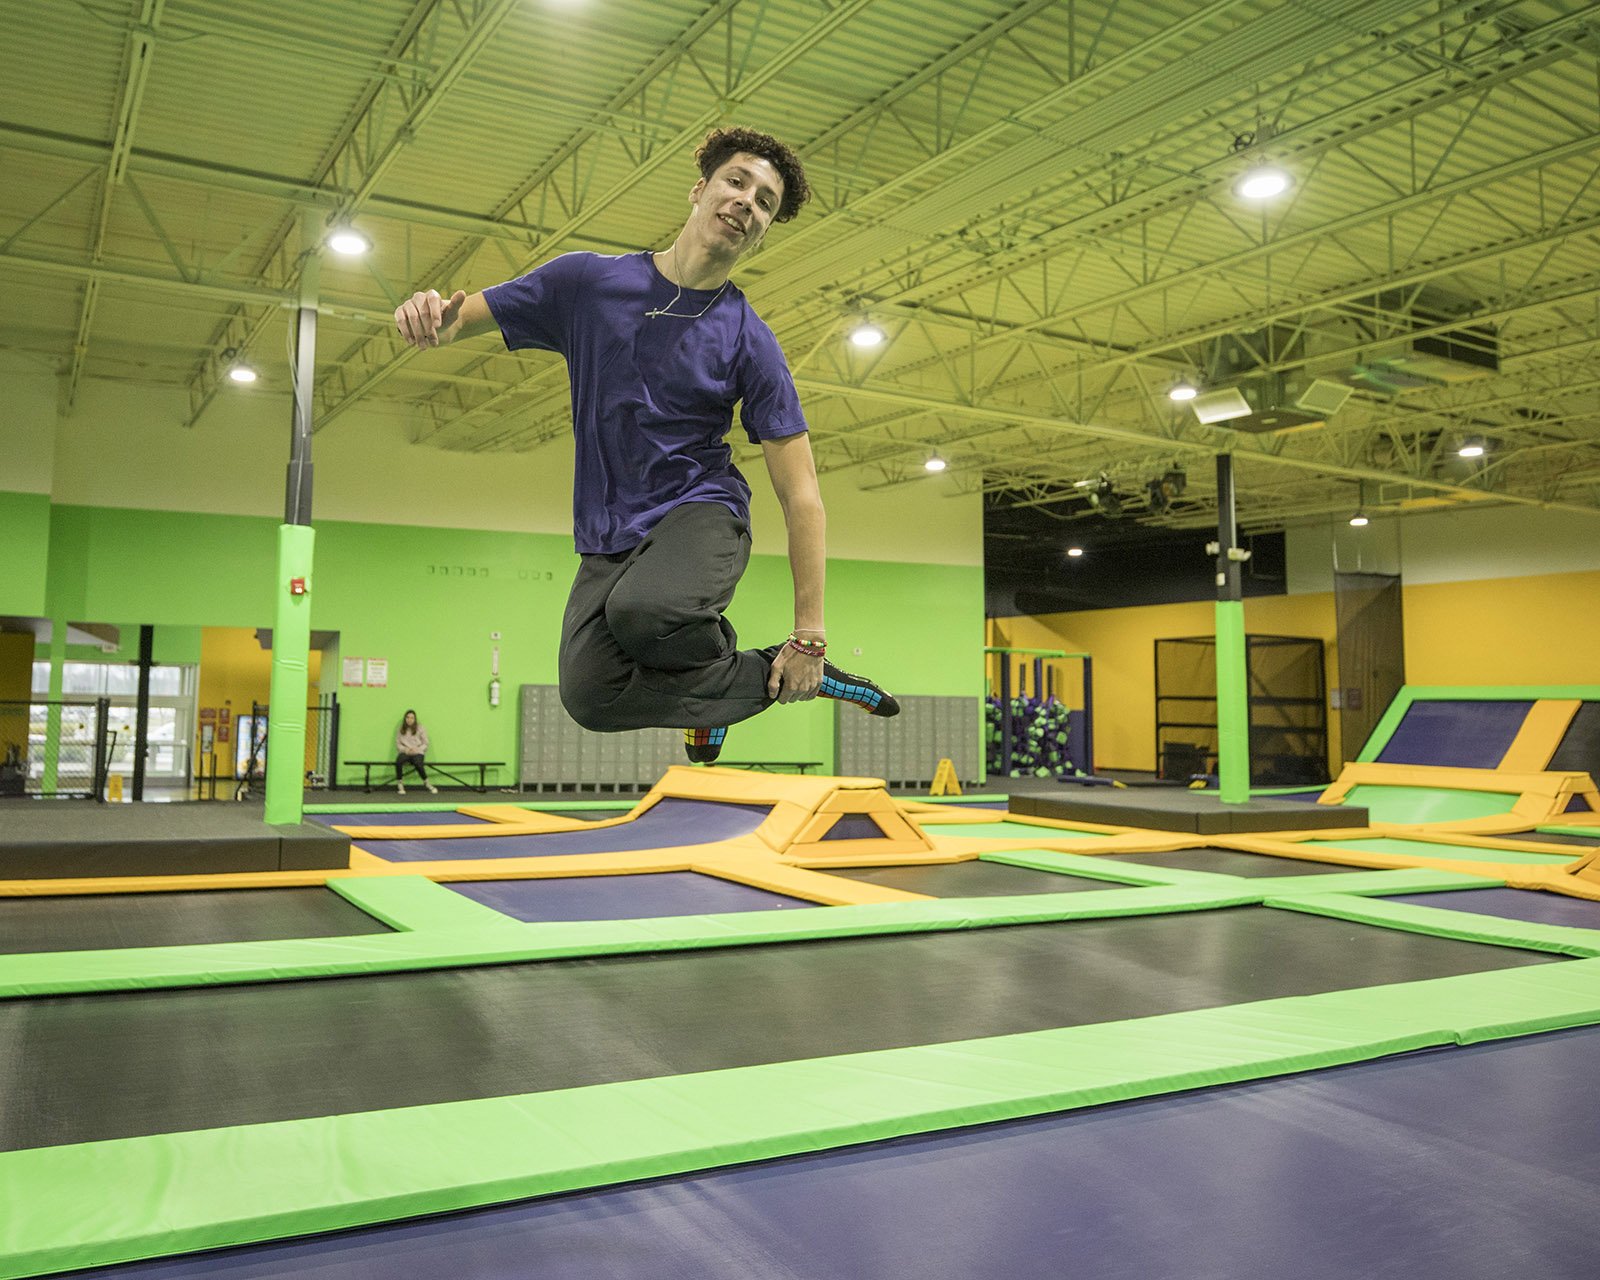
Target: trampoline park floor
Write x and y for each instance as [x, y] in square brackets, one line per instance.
[713, 1039]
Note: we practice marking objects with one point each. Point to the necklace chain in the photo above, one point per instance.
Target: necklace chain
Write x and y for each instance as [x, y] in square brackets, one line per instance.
[678, 315]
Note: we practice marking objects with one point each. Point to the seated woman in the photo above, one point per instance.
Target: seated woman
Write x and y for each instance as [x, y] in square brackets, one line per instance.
[411, 744]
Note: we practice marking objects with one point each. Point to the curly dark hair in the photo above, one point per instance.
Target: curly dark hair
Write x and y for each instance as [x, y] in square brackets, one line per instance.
[720, 144]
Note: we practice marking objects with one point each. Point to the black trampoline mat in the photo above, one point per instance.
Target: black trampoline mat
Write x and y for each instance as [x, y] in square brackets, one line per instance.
[975, 879]
[107, 921]
[118, 1065]
[1229, 862]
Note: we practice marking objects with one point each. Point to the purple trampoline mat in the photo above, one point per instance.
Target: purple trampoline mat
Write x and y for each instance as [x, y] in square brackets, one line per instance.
[1465, 734]
[664, 893]
[666, 824]
[1513, 904]
[1441, 1165]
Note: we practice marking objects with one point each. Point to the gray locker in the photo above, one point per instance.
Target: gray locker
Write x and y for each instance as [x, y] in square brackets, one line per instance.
[906, 750]
[559, 757]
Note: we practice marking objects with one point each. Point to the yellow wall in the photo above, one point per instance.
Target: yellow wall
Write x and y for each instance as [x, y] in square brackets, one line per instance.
[1536, 630]
[235, 671]
[1543, 629]
[16, 685]
[1122, 644]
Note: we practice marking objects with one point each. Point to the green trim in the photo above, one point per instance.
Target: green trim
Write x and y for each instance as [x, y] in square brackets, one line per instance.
[1374, 883]
[415, 904]
[383, 1165]
[1592, 832]
[1378, 739]
[1097, 868]
[1439, 922]
[1453, 852]
[955, 799]
[63, 972]
[451, 806]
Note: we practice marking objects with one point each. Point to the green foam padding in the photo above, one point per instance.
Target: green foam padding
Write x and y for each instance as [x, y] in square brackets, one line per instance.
[1420, 880]
[456, 946]
[416, 904]
[1439, 922]
[1453, 852]
[100, 1203]
[1010, 830]
[1077, 864]
[1427, 804]
[959, 799]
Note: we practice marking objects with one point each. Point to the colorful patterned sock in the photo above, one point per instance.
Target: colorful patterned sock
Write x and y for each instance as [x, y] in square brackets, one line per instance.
[703, 745]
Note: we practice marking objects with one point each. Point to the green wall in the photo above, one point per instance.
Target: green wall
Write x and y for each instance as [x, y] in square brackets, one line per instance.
[24, 552]
[428, 599]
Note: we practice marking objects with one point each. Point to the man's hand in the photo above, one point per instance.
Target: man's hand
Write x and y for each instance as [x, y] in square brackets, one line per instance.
[423, 315]
[796, 677]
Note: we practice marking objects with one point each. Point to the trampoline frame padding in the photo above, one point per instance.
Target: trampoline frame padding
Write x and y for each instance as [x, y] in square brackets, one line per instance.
[105, 1202]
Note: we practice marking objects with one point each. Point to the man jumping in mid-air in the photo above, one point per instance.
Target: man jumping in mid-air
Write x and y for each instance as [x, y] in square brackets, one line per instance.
[660, 347]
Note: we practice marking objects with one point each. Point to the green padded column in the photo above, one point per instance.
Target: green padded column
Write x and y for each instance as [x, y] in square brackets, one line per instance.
[52, 730]
[291, 650]
[1233, 705]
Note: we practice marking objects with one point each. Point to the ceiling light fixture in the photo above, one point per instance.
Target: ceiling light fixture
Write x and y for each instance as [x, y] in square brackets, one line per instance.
[1471, 447]
[346, 240]
[867, 334]
[1183, 390]
[1262, 181]
[239, 369]
[935, 463]
[1074, 553]
[1359, 520]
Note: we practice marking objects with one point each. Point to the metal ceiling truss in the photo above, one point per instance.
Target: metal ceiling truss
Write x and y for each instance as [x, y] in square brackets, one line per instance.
[1039, 214]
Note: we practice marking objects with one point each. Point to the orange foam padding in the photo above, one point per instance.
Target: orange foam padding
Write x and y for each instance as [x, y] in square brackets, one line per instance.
[516, 815]
[170, 884]
[1541, 733]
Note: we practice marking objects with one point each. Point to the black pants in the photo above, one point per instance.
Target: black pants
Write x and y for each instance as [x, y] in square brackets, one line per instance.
[402, 760]
[644, 644]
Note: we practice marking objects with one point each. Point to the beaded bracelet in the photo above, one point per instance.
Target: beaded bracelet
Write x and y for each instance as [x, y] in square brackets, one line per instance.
[811, 648]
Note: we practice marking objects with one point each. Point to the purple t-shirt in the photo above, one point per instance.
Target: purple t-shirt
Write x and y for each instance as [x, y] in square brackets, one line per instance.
[652, 398]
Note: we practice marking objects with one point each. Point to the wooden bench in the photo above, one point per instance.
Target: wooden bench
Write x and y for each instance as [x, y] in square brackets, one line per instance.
[773, 766]
[441, 767]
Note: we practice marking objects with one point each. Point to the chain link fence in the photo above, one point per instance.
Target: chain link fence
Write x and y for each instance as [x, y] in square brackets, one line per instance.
[55, 750]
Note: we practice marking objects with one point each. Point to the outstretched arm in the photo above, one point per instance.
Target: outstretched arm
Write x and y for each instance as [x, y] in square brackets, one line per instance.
[796, 676]
[427, 320]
